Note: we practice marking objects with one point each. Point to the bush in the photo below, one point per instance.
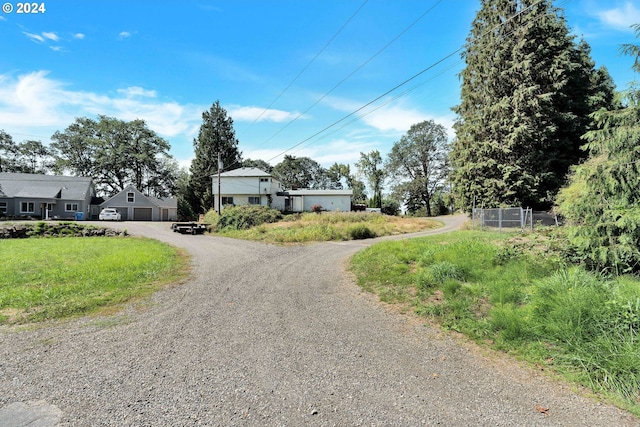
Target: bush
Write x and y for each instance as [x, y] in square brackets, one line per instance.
[361, 231]
[211, 218]
[246, 216]
[316, 208]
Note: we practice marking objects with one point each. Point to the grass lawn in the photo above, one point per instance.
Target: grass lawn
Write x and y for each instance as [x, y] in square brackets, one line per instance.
[514, 293]
[52, 278]
[328, 226]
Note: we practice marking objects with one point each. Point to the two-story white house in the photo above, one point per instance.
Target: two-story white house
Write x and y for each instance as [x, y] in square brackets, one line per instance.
[252, 186]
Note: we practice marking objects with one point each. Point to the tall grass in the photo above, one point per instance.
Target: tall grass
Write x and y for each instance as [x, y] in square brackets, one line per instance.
[519, 300]
[330, 226]
[55, 278]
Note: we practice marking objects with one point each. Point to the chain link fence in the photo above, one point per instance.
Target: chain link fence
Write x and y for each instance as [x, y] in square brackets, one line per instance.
[502, 218]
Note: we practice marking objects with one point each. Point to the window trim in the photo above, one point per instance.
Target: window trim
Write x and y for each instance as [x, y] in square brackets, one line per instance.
[68, 207]
[4, 207]
[27, 211]
[226, 200]
[131, 199]
[256, 200]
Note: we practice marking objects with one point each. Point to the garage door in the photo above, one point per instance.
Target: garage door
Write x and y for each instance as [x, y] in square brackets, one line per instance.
[142, 214]
[123, 213]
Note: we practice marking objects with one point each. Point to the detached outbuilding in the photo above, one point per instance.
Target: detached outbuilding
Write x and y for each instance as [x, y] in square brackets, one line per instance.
[252, 186]
[135, 206]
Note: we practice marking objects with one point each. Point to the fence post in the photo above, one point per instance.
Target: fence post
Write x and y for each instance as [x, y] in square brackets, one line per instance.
[500, 220]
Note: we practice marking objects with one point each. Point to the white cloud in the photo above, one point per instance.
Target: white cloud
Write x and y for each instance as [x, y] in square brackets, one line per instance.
[260, 114]
[35, 37]
[134, 91]
[621, 17]
[124, 35]
[393, 117]
[56, 48]
[35, 104]
[79, 36]
[50, 36]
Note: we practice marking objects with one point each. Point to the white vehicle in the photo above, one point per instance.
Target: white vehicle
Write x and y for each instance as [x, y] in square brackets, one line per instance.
[109, 214]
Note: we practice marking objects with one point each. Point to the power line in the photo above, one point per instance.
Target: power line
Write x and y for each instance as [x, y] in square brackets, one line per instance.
[310, 62]
[353, 72]
[404, 82]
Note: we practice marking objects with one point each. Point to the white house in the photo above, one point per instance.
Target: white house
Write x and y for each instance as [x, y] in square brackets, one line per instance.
[252, 186]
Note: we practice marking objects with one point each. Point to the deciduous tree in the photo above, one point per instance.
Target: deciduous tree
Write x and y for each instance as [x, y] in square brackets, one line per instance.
[370, 165]
[300, 172]
[418, 164]
[116, 153]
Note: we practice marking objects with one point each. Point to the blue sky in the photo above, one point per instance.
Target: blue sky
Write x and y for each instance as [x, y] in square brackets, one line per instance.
[166, 61]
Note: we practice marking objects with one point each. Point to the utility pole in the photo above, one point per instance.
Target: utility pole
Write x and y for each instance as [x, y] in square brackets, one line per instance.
[219, 196]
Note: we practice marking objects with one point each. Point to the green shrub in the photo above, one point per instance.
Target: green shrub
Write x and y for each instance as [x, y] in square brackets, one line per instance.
[361, 231]
[211, 218]
[246, 216]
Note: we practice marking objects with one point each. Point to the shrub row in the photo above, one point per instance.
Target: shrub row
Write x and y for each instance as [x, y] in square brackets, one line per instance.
[57, 229]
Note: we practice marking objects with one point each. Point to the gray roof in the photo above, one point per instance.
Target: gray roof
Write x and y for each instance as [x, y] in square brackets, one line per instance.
[164, 203]
[245, 172]
[38, 186]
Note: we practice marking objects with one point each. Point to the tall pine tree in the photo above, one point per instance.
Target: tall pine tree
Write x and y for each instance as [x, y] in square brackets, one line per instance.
[527, 92]
[216, 135]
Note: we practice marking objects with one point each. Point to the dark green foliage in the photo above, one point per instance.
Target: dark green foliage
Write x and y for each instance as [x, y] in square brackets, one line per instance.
[300, 172]
[527, 92]
[25, 157]
[370, 165]
[258, 164]
[246, 216]
[116, 153]
[361, 231]
[390, 207]
[216, 136]
[602, 203]
[418, 164]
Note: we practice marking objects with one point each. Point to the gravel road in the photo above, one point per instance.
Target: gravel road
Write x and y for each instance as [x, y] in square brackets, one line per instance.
[265, 335]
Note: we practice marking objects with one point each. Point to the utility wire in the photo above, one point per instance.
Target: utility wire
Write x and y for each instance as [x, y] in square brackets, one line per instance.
[309, 63]
[353, 72]
[404, 82]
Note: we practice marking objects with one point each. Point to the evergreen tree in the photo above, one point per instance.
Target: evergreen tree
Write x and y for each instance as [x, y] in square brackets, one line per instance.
[216, 136]
[527, 92]
[602, 204]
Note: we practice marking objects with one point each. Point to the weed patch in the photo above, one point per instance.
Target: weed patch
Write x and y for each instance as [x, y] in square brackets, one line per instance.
[514, 293]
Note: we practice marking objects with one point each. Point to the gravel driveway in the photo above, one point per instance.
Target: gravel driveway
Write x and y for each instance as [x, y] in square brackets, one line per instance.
[273, 336]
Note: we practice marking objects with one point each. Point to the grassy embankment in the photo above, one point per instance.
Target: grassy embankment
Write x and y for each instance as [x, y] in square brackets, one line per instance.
[52, 278]
[515, 294]
[328, 226]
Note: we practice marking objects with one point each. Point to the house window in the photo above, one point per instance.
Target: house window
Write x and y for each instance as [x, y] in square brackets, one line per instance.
[27, 207]
[227, 200]
[264, 179]
[131, 197]
[3, 207]
[254, 200]
[70, 207]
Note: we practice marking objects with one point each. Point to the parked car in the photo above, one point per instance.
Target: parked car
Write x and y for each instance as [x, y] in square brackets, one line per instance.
[109, 214]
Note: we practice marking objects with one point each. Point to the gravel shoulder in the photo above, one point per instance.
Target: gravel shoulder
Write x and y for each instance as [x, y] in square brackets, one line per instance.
[270, 335]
